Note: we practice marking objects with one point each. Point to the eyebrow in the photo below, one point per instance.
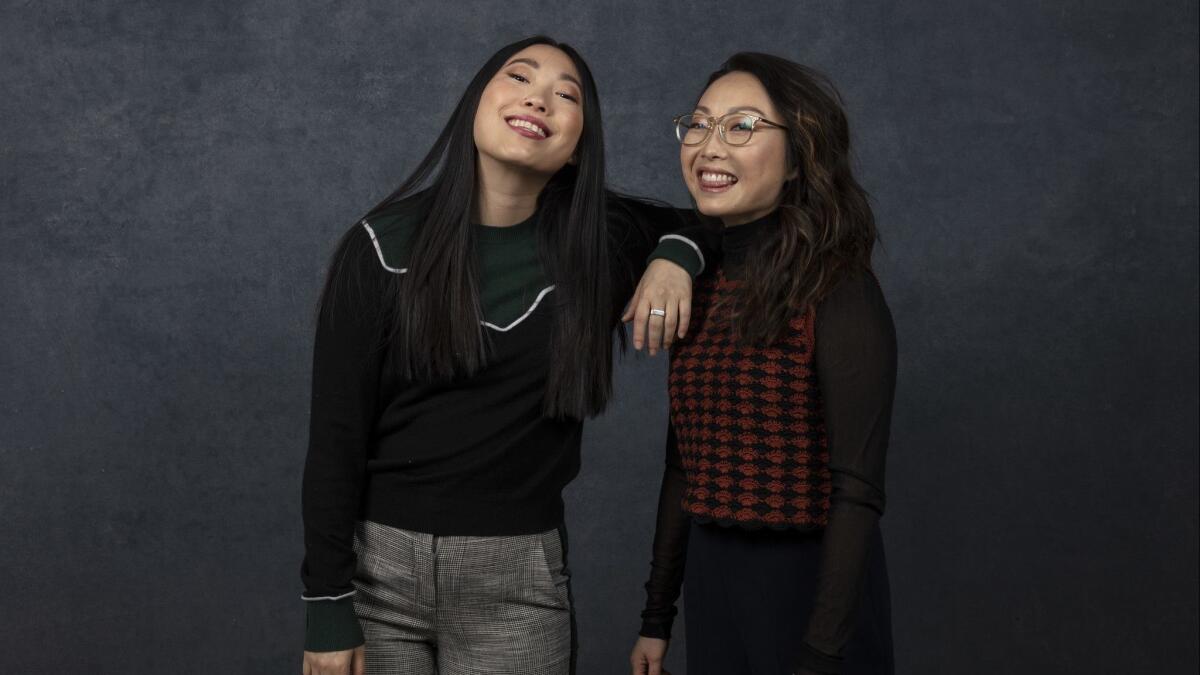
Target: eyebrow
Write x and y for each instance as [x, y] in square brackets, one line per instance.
[736, 108]
[563, 76]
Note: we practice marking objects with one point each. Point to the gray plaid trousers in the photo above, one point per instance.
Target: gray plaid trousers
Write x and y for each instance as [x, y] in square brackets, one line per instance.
[433, 605]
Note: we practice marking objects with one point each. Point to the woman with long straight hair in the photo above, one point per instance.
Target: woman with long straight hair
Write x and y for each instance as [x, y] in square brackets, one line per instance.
[781, 396]
[464, 333]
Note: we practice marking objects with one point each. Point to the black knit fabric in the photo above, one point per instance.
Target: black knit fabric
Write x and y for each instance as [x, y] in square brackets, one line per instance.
[473, 456]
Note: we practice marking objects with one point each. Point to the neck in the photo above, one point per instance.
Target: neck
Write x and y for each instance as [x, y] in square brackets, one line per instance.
[743, 218]
[505, 196]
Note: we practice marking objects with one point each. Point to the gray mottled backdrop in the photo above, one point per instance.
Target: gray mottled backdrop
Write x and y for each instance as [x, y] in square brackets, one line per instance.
[174, 176]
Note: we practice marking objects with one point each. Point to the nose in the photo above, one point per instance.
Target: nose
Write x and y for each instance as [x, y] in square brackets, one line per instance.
[712, 147]
[536, 103]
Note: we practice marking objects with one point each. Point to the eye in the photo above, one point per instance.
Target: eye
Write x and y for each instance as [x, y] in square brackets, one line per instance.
[519, 77]
[697, 124]
[569, 97]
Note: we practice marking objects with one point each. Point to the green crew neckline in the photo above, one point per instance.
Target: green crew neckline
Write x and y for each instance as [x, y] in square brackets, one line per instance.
[494, 233]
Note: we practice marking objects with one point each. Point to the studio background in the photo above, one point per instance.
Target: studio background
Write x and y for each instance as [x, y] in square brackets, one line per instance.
[174, 176]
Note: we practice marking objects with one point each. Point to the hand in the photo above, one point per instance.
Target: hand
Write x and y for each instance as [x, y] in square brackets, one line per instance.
[347, 662]
[668, 287]
[647, 657]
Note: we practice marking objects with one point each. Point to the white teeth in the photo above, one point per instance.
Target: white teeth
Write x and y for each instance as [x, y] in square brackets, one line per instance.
[714, 178]
[523, 124]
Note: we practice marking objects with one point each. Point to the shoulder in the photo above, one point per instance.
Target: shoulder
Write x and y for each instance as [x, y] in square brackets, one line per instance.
[389, 230]
[855, 287]
[855, 302]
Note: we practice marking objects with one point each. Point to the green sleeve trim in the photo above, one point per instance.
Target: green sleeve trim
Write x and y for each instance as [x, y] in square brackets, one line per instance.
[331, 626]
[680, 252]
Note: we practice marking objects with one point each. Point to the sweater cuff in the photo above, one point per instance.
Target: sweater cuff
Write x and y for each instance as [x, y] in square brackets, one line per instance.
[818, 661]
[681, 251]
[331, 625]
[656, 629]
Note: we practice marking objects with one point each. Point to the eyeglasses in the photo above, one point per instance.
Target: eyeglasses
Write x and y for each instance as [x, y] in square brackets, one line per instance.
[735, 128]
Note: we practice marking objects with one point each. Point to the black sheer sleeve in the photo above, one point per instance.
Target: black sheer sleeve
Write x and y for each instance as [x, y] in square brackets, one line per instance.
[856, 370]
[670, 548]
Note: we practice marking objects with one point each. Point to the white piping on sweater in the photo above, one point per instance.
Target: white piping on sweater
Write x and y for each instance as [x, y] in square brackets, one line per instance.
[504, 329]
[523, 316]
[329, 597]
[379, 251]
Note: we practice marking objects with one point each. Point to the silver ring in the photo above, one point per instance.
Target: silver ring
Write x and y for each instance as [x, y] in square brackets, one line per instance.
[658, 312]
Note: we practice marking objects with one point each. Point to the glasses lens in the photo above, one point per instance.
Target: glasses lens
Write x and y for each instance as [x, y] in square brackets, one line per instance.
[691, 129]
[738, 129]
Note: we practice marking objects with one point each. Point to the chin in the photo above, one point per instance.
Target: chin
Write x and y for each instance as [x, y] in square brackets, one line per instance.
[705, 205]
[520, 160]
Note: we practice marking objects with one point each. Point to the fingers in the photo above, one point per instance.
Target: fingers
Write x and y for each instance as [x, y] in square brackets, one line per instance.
[669, 290]
[640, 315]
[631, 308]
[685, 316]
[360, 661]
[637, 662]
[655, 329]
[670, 323]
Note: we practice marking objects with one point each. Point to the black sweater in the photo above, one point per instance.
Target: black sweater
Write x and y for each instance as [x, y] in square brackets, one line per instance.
[855, 363]
[472, 456]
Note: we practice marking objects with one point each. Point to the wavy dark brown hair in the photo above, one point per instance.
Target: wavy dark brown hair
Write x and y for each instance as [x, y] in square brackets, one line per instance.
[826, 229]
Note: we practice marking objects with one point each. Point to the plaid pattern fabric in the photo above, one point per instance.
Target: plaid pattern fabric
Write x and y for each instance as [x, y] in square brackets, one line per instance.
[748, 421]
[463, 605]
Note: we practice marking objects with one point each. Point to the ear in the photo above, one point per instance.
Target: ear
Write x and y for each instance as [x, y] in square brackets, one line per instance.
[793, 166]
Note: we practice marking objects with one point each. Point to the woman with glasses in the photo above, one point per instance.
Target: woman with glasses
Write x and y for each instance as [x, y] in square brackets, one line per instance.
[781, 396]
[465, 331]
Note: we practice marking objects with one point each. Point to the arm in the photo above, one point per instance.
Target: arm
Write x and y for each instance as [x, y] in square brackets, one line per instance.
[676, 247]
[347, 359]
[670, 548]
[856, 369]
[655, 231]
[666, 567]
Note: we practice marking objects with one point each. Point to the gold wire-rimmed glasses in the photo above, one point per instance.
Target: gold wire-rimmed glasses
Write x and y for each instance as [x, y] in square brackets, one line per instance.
[735, 128]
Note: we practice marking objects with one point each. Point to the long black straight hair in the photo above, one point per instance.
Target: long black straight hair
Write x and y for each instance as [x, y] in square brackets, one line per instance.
[435, 326]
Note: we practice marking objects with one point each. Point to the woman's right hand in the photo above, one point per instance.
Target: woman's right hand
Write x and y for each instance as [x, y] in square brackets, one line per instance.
[347, 662]
[647, 657]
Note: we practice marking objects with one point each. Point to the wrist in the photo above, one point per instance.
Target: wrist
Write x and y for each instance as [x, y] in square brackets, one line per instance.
[681, 251]
[331, 625]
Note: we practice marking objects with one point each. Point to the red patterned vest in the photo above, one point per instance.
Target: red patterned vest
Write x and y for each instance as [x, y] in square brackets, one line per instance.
[748, 422]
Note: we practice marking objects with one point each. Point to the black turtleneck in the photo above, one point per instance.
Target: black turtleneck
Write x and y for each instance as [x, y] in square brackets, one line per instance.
[738, 240]
[855, 362]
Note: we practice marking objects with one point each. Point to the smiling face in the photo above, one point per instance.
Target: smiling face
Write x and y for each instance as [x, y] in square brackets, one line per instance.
[530, 115]
[737, 183]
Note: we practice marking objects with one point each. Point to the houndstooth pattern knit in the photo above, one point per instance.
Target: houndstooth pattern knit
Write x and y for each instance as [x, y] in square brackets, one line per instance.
[748, 422]
[462, 605]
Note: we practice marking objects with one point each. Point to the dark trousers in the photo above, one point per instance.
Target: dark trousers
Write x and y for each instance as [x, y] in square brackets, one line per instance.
[747, 599]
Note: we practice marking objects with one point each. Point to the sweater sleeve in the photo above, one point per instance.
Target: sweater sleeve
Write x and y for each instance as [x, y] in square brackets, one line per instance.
[651, 231]
[347, 360]
[670, 548]
[856, 371]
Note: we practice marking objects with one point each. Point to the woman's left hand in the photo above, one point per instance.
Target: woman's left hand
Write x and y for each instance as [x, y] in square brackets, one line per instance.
[666, 288]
